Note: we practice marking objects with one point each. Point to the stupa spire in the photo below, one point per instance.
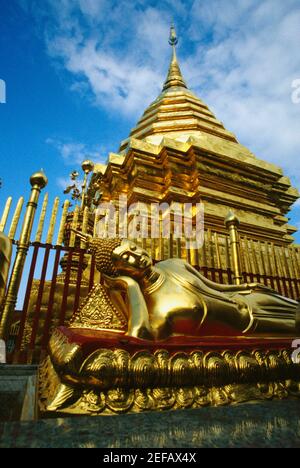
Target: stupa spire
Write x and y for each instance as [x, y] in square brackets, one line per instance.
[174, 77]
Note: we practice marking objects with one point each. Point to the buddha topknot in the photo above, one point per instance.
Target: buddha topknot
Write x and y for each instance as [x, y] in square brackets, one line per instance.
[103, 249]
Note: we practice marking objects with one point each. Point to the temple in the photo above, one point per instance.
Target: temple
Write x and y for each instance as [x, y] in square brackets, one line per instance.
[180, 152]
[136, 323]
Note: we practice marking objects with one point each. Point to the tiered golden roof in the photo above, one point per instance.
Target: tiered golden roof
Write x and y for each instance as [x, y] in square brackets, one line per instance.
[179, 151]
[177, 112]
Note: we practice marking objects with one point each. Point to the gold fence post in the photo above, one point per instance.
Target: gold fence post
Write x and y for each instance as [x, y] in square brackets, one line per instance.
[87, 167]
[232, 222]
[37, 181]
[3, 220]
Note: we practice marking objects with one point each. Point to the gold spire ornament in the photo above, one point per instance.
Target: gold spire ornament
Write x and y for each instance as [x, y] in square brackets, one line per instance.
[87, 167]
[174, 77]
[173, 40]
[74, 190]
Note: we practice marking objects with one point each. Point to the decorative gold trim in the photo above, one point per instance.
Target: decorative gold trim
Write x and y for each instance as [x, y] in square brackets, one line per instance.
[98, 312]
[162, 368]
[113, 381]
[65, 354]
[58, 397]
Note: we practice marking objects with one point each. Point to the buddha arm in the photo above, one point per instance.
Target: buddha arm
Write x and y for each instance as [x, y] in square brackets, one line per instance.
[138, 317]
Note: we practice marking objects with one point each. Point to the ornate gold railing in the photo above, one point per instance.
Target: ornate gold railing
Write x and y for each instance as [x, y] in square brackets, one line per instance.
[55, 272]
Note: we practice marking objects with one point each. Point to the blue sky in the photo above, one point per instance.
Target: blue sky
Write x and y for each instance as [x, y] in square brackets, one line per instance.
[79, 73]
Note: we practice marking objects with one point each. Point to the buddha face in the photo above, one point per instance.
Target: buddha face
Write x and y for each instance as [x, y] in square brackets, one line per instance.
[131, 260]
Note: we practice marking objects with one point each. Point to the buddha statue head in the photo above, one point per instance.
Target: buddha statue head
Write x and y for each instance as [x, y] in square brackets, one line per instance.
[131, 260]
[115, 257]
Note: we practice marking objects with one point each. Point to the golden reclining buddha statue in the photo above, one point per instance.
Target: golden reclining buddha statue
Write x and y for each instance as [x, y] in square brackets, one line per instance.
[159, 337]
[172, 298]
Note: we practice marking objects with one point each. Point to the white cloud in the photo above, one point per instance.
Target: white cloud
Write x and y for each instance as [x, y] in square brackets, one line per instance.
[241, 58]
[93, 8]
[74, 153]
[245, 74]
[115, 83]
[123, 70]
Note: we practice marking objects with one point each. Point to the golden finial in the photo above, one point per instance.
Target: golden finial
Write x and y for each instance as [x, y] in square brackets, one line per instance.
[77, 194]
[173, 41]
[87, 166]
[39, 179]
[174, 77]
[231, 218]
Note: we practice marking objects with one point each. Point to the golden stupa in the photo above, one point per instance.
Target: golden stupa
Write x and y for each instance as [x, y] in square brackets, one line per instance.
[179, 151]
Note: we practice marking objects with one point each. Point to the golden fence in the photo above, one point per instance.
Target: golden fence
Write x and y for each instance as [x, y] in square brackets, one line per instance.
[276, 266]
[55, 272]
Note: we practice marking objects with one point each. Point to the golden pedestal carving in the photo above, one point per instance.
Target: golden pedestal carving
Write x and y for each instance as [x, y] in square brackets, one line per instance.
[118, 380]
